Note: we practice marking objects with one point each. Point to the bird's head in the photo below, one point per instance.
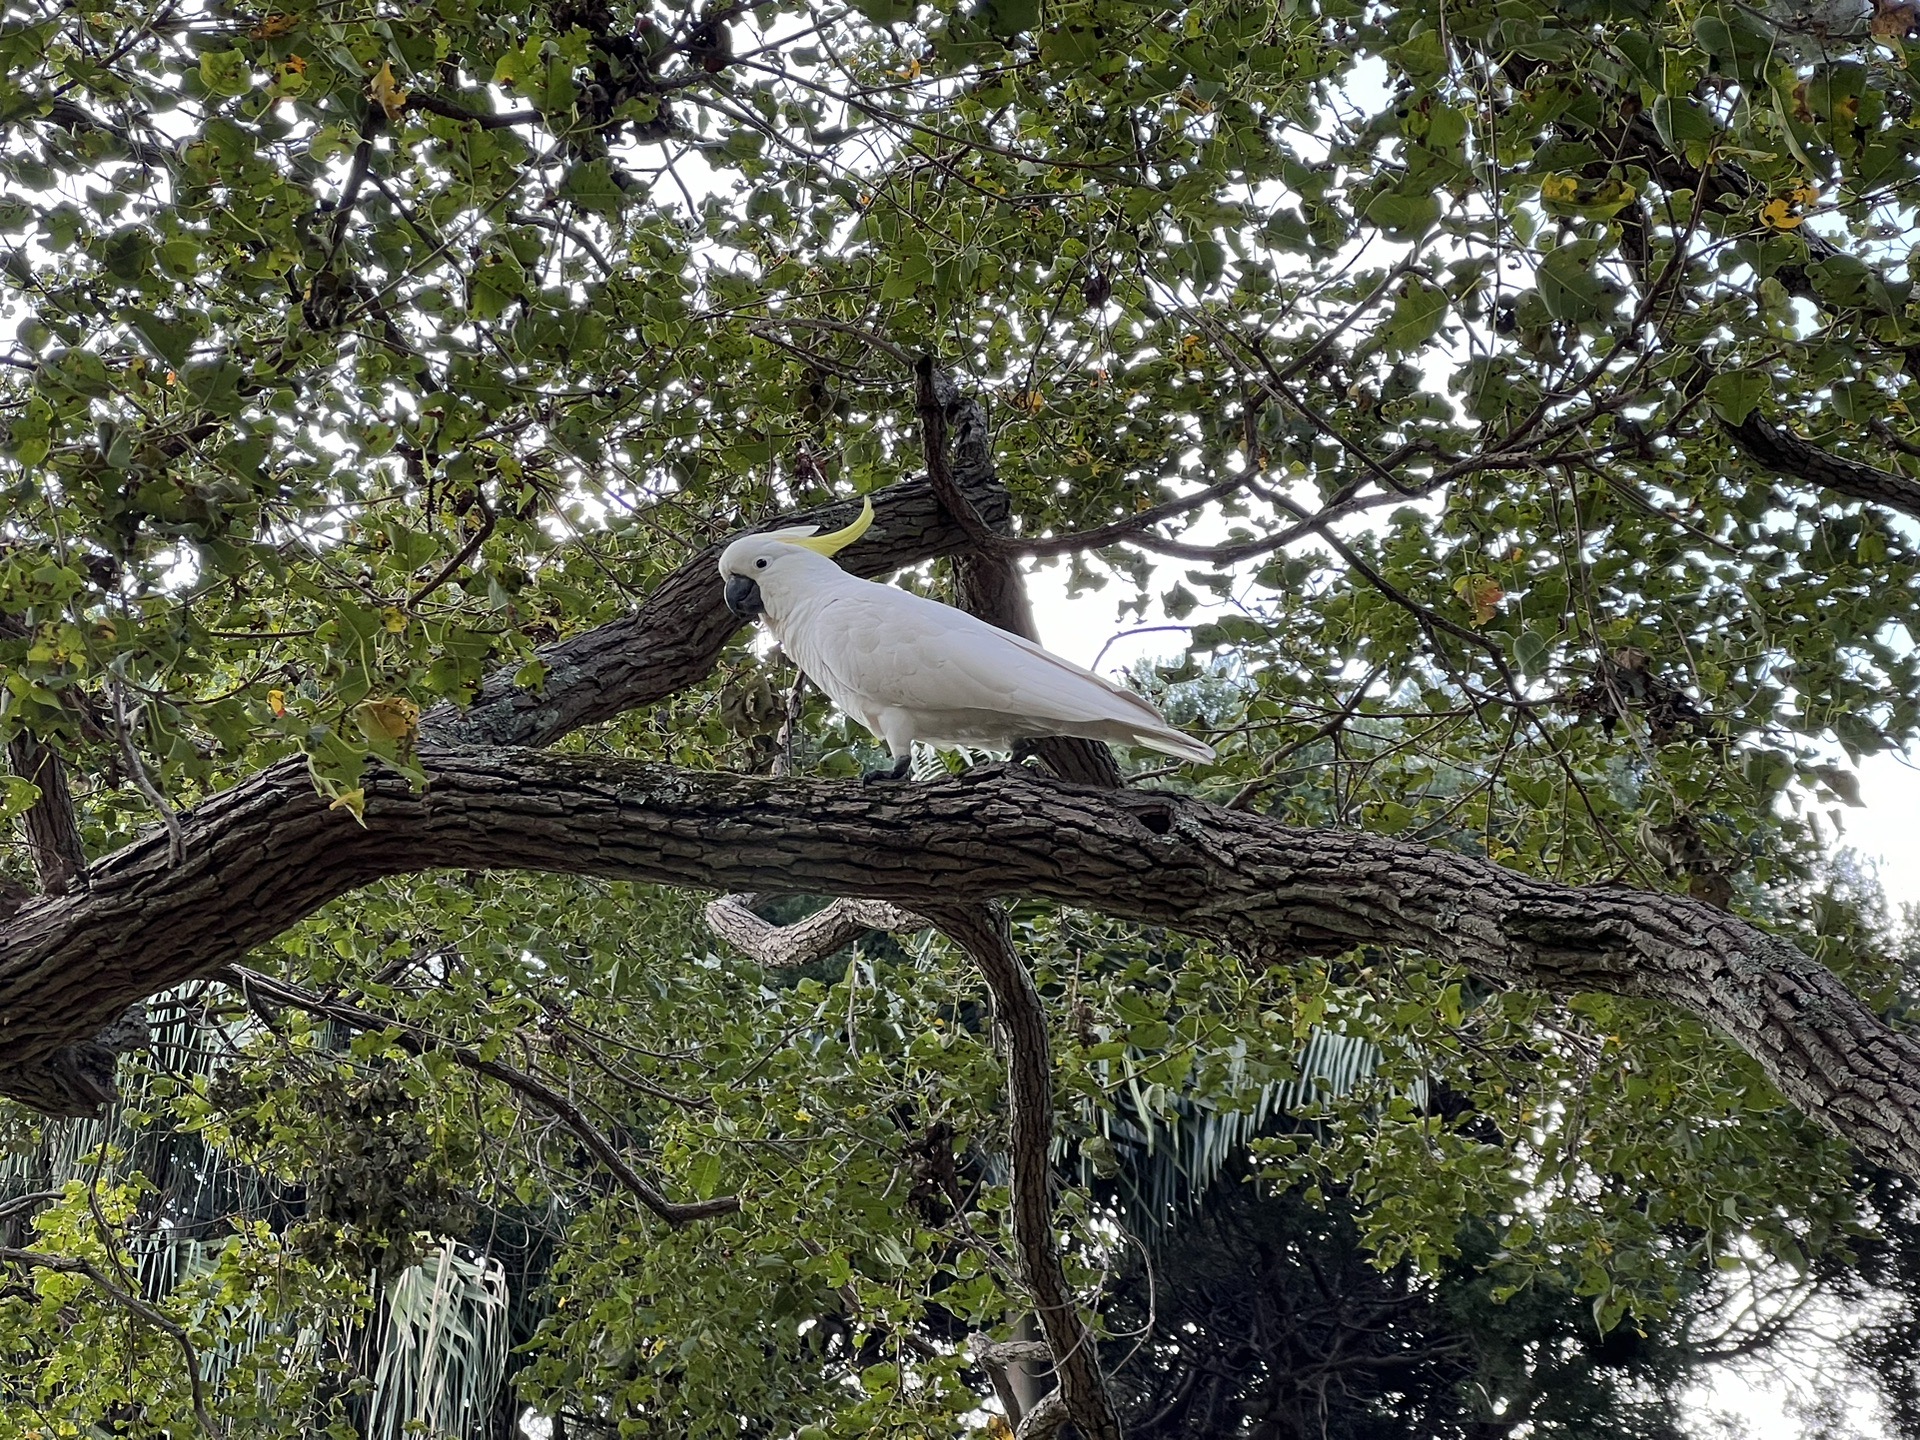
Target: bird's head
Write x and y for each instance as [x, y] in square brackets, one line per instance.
[762, 572]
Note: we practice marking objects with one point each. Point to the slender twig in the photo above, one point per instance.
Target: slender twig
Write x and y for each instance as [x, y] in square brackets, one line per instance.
[72, 1265]
[176, 832]
[1245, 794]
[410, 1038]
[10, 1208]
[453, 110]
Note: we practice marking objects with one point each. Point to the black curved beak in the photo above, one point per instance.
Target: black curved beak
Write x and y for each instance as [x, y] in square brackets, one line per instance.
[743, 598]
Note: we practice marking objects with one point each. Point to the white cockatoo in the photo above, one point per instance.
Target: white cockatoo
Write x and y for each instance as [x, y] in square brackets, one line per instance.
[909, 668]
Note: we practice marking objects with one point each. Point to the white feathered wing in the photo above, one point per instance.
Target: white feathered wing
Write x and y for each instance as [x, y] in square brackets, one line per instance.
[909, 669]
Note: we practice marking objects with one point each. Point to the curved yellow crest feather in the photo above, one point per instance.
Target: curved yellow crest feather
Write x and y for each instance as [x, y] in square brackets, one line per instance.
[839, 539]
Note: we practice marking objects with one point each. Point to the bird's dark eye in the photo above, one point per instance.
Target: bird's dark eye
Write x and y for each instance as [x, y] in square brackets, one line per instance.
[760, 564]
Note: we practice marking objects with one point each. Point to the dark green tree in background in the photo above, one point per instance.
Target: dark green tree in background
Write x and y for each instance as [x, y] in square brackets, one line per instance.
[1510, 406]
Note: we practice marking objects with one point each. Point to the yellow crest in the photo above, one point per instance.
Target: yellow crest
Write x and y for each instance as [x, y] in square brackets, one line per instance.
[838, 540]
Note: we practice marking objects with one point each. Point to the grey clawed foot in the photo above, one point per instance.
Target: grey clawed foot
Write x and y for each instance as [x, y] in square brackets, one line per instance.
[900, 770]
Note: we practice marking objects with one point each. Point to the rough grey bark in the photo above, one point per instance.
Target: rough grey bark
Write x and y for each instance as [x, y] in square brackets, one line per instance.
[675, 637]
[269, 852]
[1775, 447]
[672, 641]
[53, 836]
[782, 947]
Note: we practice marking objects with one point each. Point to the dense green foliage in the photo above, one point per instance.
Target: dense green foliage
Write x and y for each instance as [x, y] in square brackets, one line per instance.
[362, 349]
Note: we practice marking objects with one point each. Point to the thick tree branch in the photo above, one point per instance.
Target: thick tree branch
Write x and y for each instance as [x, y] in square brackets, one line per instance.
[1046, 1419]
[674, 639]
[784, 947]
[269, 852]
[982, 931]
[78, 1077]
[1776, 448]
[988, 580]
[997, 1357]
[671, 642]
[414, 1041]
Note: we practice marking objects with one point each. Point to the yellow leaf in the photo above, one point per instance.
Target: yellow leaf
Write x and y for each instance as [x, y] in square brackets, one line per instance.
[354, 802]
[1778, 214]
[1481, 594]
[386, 92]
[393, 619]
[1559, 188]
[277, 701]
[998, 1428]
[390, 717]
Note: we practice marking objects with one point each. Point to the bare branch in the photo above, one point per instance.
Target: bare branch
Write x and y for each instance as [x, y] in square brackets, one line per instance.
[1046, 1419]
[982, 931]
[137, 768]
[454, 110]
[783, 947]
[21, 1203]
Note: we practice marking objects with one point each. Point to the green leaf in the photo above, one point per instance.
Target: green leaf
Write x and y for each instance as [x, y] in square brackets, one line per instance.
[226, 73]
[17, 796]
[1736, 394]
[591, 186]
[1571, 287]
[1404, 216]
[1418, 311]
[1530, 651]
